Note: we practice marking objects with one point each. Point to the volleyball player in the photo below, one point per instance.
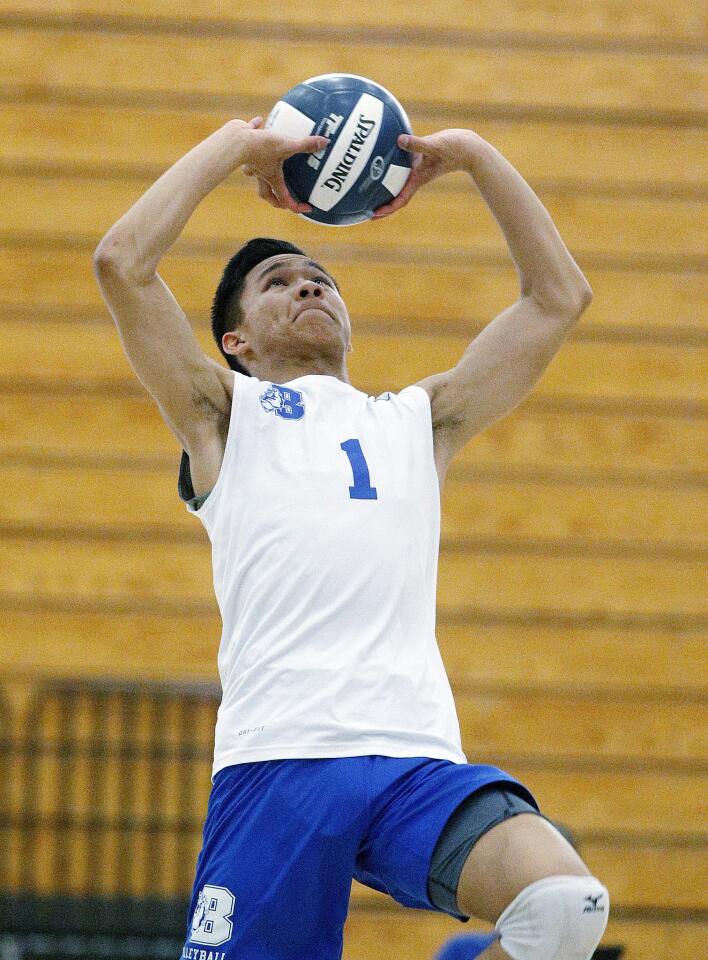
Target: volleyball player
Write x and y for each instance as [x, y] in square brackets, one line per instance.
[337, 750]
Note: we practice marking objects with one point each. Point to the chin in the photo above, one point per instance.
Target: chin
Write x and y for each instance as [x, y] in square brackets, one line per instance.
[317, 326]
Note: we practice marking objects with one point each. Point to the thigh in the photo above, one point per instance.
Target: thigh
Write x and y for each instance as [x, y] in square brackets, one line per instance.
[476, 816]
[274, 874]
[516, 852]
[412, 799]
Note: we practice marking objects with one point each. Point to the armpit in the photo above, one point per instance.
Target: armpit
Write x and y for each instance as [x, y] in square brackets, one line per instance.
[208, 408]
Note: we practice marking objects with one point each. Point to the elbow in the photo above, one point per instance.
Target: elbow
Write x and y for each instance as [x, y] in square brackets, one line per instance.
[570, 302]
[113, 257]
[579, 296]
[108, 255]
[585, 296]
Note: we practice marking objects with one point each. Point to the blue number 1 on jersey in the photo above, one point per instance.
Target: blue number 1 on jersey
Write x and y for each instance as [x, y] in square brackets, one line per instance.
[362, 489]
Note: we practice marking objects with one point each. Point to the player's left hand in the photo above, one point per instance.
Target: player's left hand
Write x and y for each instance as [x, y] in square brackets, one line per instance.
[434, 156]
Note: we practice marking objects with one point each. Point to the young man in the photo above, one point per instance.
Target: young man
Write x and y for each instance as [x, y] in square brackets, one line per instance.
[337, 748]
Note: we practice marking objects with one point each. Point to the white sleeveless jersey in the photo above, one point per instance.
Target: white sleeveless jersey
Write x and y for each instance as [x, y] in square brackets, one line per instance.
[325, 524]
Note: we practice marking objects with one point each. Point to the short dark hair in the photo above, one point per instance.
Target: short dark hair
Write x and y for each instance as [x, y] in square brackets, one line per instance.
[225, 318]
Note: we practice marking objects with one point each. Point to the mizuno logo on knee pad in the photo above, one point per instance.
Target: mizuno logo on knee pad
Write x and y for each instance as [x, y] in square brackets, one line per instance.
[593, 905]
[557, 918]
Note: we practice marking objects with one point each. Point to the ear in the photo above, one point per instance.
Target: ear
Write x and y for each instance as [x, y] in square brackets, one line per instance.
[234, 343]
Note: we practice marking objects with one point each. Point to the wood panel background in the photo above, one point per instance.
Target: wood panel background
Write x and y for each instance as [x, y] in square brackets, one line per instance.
[572, 601]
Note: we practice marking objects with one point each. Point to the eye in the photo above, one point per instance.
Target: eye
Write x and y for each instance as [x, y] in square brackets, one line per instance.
[272, 281]
[322, 280]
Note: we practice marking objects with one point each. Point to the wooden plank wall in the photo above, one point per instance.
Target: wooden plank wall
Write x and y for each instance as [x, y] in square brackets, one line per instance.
[572, 584]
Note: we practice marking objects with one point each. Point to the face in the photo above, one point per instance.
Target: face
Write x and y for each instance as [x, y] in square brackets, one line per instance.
[292, 313]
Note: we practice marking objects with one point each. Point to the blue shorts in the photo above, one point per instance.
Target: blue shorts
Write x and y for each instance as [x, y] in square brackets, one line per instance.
[284, 838]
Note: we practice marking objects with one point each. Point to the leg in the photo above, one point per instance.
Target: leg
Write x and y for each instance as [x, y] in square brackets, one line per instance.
[509, 857]
[274, 875]
[505, 861]
[494, 952]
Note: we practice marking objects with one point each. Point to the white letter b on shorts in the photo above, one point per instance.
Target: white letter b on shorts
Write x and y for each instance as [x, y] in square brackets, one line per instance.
[211, 922]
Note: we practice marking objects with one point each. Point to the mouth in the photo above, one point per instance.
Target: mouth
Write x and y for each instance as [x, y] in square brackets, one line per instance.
[306, 309]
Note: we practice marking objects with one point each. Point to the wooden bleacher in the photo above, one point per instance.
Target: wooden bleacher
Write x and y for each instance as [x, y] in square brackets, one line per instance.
[643, 20]
[572, 585]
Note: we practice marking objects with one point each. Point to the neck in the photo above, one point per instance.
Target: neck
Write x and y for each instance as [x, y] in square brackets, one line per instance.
[286, 371]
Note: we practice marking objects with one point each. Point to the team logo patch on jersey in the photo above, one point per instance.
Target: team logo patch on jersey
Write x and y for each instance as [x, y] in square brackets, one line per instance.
[283, 402]
[211, 923]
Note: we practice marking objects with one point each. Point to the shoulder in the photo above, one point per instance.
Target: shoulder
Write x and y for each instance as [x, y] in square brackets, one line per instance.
[443, 450]
[431, 387]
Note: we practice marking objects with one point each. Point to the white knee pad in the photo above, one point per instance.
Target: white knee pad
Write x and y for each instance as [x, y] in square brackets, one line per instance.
[558, 918]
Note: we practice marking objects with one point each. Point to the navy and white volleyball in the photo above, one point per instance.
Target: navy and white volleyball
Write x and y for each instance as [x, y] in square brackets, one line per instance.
[362, 167]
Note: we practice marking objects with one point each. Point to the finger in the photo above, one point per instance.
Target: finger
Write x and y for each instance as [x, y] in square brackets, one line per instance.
[382, 212]
[282, 195]
[305, 145]
[265, 193]
[410, 187]
[256, 122]
[392, 206]
[279, 201]
[388, 208]
[286, 199]
[412, 144]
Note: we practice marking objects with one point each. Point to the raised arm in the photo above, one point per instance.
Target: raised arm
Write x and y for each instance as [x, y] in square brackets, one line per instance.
[502, 364]
[192, 391]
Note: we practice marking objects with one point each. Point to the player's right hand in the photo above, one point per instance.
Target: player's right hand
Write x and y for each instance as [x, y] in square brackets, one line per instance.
[262, 152]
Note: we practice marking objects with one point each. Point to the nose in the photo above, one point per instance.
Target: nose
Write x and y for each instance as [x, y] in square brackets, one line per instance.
[309, 288]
